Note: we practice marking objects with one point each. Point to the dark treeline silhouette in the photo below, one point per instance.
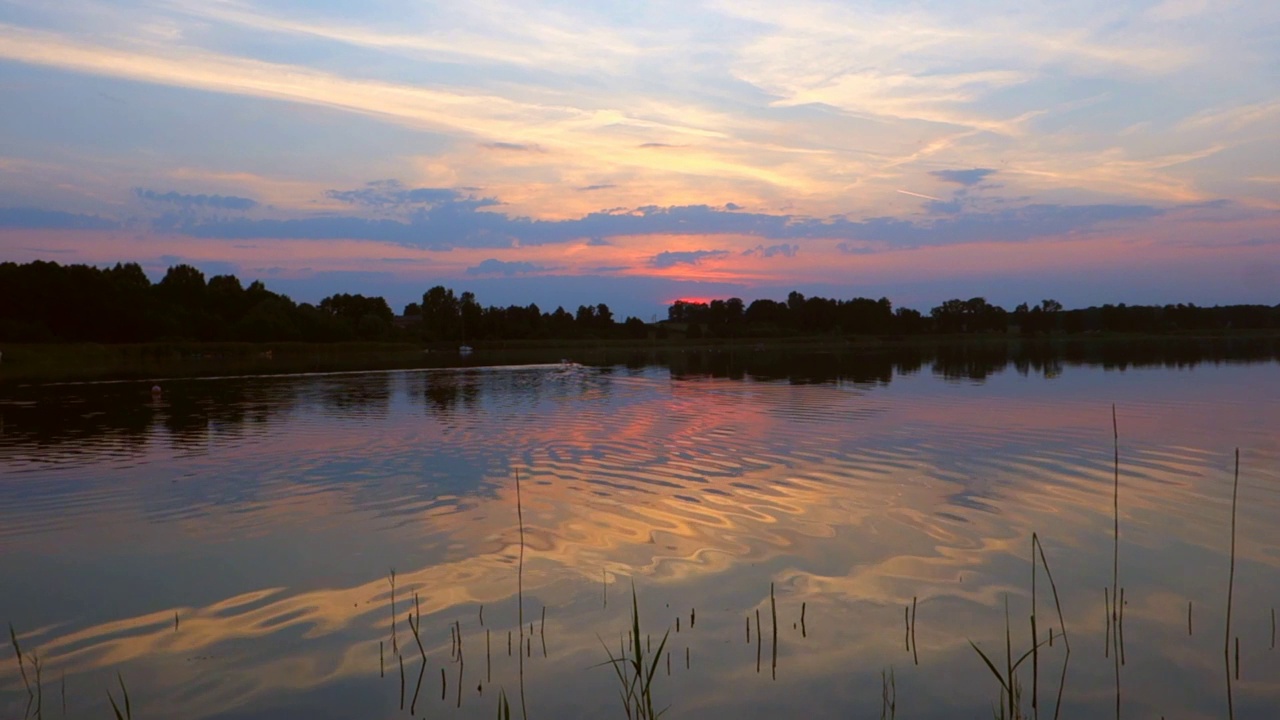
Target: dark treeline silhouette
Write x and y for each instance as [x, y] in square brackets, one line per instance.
[44, 301]
[445, 316]
[800, 316]
[47, 302]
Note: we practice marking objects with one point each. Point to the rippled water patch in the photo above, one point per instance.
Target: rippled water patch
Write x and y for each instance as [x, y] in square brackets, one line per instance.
[266, 513]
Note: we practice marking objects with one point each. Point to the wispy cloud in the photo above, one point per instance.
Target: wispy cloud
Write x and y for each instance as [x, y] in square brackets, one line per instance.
[444, 218]
[531, 36]
[919, 195]
[493, 266]
[964, 177]
[848, 248]
[392, 194]
[672, 258]
[784, 250]
[512, 147]
[217, 202]
[35, 218]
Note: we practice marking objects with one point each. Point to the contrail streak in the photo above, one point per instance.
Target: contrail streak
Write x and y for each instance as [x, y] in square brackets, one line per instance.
[920, 195]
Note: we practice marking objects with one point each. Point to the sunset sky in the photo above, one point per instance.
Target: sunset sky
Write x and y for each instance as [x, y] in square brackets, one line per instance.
[635, 152]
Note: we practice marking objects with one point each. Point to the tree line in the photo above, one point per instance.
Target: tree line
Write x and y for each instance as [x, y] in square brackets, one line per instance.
[800, 316]
[47, 302]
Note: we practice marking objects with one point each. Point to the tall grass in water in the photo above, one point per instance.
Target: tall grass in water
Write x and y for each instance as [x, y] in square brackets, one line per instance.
[32, 684]
[524, 710]
[22, 669]
[124, 692]
[888, 696]
[504, 707]
[1037, 548]
[415, 626]
[636, 672]
[1231, 581]
[1115, 617]
[1010, 706]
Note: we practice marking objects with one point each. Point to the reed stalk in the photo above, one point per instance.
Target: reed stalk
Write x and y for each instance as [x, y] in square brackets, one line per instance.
[1115, 558]
[524, 709]
[1231, 581]
[637, 671]
[127, 714]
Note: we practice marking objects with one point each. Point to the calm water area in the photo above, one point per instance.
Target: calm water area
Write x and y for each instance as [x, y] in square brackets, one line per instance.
[226, 547]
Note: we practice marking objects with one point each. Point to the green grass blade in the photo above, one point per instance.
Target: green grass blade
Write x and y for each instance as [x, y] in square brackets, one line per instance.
[653, 666]
[13, 638]
[1028, 653]
[990, 665]
[128, 711]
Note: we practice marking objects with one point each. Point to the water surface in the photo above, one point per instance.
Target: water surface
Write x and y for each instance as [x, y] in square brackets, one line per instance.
[267, 512]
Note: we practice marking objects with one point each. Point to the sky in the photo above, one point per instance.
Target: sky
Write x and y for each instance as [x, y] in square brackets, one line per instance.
[634, 153]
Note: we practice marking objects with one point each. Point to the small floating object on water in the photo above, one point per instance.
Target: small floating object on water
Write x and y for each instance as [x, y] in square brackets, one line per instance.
[155, 389]
[464, 350]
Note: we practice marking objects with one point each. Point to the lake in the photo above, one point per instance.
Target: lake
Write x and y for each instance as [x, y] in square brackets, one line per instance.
[817, 534]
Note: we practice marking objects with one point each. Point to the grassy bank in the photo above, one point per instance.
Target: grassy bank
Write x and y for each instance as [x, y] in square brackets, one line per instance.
[67, 362]
[85, 361]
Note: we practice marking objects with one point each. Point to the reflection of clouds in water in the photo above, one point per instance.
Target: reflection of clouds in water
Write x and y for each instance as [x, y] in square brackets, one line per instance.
[854, 499]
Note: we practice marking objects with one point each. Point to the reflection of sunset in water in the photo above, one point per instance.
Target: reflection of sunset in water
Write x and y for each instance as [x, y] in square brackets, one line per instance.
[270, 531]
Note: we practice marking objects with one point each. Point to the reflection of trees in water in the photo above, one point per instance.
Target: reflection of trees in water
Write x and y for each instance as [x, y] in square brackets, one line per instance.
[451, 393]
[971, 362]
[442, 392]
[1173, 352]
[357, 393]
[121, 417]
[193, 411]
[39, 420]
[797, 366]
[974, 361]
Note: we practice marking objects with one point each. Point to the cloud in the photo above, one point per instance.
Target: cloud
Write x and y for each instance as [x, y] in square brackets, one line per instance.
[218, 202]
[855, 249]
[440, 218]
[670, 258]
[37, 219]
[390, 194]
[590, 188]
[493, 266]
[513, 147]
[1010, 225]
[42, 251]
[947, 207]
[445, 218]
[964, 177]
[785, 250]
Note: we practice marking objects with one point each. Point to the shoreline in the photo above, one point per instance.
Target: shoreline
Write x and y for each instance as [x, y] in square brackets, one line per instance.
[24, 364]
